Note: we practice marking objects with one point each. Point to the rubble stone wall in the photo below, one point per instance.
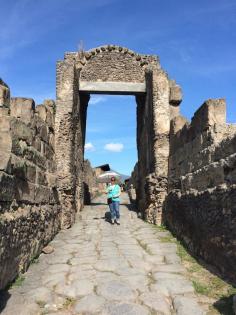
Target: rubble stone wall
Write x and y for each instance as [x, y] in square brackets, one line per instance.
[200, 207]
[114, 63]
[154, 109]
[91, 187]
[31, 195]
[29, 206]
[154, 112]
[70, 126]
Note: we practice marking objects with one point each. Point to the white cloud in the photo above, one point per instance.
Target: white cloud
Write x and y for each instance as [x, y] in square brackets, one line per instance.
[114, 147]
[97, 99]
[89, 147]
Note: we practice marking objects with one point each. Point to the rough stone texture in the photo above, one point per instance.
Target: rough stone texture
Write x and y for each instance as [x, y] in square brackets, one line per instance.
[200, 207]
[117, 65]
[99, 268]
[29, 209]
[23, 108]
[91, 187]
[120, 65]
[187, 169]
[112, 87]
[4, 94]
[185, 306]
[70, 126]
[153, 127]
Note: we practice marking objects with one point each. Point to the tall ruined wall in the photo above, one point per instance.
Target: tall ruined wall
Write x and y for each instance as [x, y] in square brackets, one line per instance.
[70, 123]
[200, 207]
[31, 197]
[91, 187]
[154, 112]
[29, 207]
[113, 63]
[154, 108]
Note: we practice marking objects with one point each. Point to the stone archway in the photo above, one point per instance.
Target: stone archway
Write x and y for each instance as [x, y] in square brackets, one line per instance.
[114, 70]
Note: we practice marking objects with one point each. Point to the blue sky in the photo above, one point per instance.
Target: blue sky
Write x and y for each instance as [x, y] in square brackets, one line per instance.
[195, 40]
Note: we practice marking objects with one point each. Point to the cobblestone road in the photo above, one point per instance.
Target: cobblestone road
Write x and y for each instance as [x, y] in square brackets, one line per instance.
[99, 268]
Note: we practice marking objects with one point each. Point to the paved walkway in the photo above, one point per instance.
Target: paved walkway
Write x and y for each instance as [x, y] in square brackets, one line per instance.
[99, 268]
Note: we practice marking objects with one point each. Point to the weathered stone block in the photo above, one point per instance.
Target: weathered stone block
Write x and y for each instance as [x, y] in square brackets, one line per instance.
[51, 166]
[50, 119]
[174, 111]
[19, 130]
[54, 196]
[41, 111]
[51, 179]
[48, 152]
[43, 133]
[213, 111]
[4, 94]
[42, 194]
[35, 157]
[5, 143]
[4, 111]
[210, 176]
[51, 140]
[41, 178]
[36, 143]
[5, 161]
[175, 94]
[5, 123]
[25, 191]
[23, 169]
[50, 104]
[18, 147]
[177, 124]
[22, 108]
[7, 187]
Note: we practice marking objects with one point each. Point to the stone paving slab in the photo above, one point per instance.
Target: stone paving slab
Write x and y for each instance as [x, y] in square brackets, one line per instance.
[99, 268]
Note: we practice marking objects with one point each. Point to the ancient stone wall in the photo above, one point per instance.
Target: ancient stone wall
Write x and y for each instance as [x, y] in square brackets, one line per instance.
[187, 168]
[154, 109]
[31, 192]
[200, 207]
[70, 125]
[119, 62]
[154, 112]
[91, 187]
[29, 206]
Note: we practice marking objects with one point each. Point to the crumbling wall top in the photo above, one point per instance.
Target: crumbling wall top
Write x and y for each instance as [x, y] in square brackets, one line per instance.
[112, 63]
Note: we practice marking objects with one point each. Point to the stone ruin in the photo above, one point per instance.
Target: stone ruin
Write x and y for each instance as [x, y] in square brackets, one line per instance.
[185, 175]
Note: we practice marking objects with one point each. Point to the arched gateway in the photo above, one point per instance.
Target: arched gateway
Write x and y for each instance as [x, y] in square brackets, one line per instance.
[114, 70]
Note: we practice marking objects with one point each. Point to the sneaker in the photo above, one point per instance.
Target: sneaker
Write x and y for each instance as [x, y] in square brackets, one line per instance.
[112, 221]
[118, 221]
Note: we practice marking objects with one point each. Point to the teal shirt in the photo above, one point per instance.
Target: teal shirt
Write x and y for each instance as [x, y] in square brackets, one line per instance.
[109, 191]
[113, 191]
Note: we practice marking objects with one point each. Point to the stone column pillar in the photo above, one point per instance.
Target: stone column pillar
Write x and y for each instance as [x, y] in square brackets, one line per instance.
[156, 182]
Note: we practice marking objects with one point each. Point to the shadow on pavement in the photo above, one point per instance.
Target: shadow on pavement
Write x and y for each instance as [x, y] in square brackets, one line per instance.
[94, 204]
[4, 297]
[225, 305]
[107, 217]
